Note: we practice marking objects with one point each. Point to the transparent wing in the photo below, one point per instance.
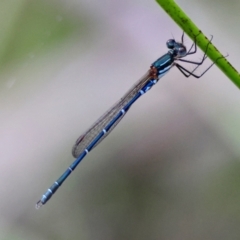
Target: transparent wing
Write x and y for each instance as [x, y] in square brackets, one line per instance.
[86, 138]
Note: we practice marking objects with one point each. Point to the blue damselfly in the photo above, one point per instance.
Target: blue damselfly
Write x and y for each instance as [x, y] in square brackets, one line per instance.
[108, 121]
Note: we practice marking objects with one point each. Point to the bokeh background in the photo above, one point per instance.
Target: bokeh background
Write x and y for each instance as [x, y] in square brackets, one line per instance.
[171, 168]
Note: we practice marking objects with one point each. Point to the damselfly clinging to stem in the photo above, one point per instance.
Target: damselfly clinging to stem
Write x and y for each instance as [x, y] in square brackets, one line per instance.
[106, 123]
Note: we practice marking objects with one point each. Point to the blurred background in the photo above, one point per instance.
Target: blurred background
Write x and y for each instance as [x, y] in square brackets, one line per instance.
[171, 168]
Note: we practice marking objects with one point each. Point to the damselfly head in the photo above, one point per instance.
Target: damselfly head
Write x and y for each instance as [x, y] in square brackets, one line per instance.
[178, 49]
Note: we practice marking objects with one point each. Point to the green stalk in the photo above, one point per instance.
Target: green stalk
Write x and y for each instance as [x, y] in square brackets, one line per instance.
[187, 25]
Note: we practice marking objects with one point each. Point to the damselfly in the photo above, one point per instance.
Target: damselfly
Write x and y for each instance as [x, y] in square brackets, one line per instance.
[106, 123]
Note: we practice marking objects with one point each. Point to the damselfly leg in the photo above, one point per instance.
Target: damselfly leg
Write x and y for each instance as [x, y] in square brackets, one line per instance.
[185, 71]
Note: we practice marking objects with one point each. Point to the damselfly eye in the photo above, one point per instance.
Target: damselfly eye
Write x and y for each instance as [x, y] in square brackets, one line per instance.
[182, 51]
[171, 43]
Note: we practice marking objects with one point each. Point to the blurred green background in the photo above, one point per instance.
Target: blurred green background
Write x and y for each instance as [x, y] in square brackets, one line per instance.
[170, 170]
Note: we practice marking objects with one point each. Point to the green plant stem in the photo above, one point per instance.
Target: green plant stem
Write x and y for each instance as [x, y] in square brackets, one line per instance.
[177, 14]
